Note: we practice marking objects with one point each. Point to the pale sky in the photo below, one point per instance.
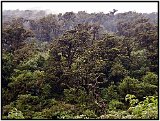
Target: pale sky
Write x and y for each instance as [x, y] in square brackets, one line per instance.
[90, 7]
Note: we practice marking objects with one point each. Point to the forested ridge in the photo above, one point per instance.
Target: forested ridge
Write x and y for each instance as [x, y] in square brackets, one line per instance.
[79, 65]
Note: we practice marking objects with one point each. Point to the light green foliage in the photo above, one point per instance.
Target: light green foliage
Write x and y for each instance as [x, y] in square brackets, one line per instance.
[81, 117]
[151, 78]
[38, 115]
[146, 109]
[90, 113]
[32, 63]
[15, 114]
[131, 99]
[87, 114]
[116, 115]
[7, 108]
[65, 115]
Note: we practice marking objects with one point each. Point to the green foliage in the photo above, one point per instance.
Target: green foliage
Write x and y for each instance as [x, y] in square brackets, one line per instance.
[59, 110]
[146, 109]
[26, 81]
[90, 113]
[117, 115]
[150, 78]
[87, 114]
[25, 104]
[15, 114]
[33, 63]
[133, 86]
[7, 68]
[145, 89]
[118, 72]
[81, 117]
[79, 70]
[110, 93]
[128, 86]
[14, 36]
[140, 64]
[131, 99]
[7, 108]
[115, 104]
[75, 96]
[38, 115]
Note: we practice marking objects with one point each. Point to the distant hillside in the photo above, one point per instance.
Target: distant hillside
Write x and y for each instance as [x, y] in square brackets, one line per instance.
[49, 26]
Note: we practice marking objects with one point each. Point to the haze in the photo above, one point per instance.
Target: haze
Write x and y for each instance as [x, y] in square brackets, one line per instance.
[90, 7]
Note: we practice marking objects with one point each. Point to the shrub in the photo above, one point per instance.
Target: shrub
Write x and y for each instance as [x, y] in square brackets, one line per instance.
[150, 78]
[6, 109]
[15, 114]
[147, 109]
[59, 110]
[128, 86]
[90, 113]
[115, 104]
[38, 115]
[110, 93]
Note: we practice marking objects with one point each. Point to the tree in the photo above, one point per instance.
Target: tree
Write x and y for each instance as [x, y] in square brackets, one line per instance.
[128, 86]
[118, 72]
[64, 52]
[7, 68]
[13, 37]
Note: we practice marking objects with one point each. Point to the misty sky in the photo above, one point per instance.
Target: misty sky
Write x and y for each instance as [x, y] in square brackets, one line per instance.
[90, 7]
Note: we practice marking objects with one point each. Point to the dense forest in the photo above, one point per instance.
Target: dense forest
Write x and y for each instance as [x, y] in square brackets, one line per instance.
[79, 65]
